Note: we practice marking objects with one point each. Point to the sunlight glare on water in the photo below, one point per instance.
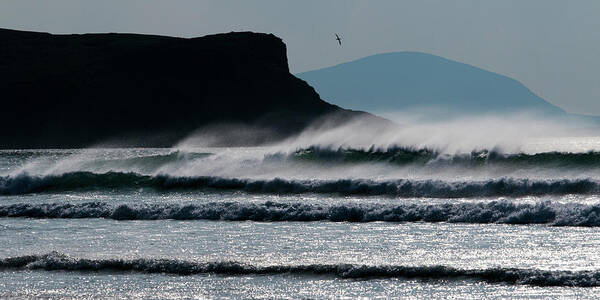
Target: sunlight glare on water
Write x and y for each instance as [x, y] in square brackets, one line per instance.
[534, 211]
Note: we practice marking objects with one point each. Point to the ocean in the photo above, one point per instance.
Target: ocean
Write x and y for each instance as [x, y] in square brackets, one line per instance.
[317, 221]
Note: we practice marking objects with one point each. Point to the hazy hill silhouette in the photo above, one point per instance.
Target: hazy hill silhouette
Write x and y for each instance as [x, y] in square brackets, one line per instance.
[411, 80]
[76, 90]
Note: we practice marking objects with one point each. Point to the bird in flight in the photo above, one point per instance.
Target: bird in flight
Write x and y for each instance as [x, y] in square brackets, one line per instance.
[337, 37]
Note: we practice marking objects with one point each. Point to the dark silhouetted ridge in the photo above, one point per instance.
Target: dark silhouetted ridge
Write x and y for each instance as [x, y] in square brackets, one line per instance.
[143, 90]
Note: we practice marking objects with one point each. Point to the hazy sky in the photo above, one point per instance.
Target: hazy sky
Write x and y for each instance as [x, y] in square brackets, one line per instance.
[552, 46]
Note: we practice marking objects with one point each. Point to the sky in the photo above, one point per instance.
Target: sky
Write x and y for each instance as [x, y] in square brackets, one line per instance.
[551, 46]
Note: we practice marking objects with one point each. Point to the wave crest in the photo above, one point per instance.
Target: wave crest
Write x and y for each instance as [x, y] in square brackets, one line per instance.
[500, 212]
[55, 261]
[24, 184]
[407, 155]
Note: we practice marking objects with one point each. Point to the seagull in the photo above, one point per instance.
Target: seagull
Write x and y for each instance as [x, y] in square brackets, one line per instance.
[337, 37]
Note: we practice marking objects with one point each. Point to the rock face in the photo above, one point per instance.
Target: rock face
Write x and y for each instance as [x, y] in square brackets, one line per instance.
[77, 90]
[410, 80]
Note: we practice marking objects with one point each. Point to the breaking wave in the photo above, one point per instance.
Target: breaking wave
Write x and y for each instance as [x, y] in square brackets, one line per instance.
[59, 262]
[24, 184]
[407, 155]
[501, 212]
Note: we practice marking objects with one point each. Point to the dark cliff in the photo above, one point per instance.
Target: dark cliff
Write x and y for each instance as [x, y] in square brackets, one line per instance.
[77, 90]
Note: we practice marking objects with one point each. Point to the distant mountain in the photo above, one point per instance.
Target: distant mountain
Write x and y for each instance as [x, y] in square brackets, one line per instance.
[410, 80]
[142, 90]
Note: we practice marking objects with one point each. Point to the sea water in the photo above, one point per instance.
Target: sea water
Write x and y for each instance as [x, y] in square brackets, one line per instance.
[308, 222]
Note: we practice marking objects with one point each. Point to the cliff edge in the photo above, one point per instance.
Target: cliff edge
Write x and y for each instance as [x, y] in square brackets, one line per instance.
[62, 91]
